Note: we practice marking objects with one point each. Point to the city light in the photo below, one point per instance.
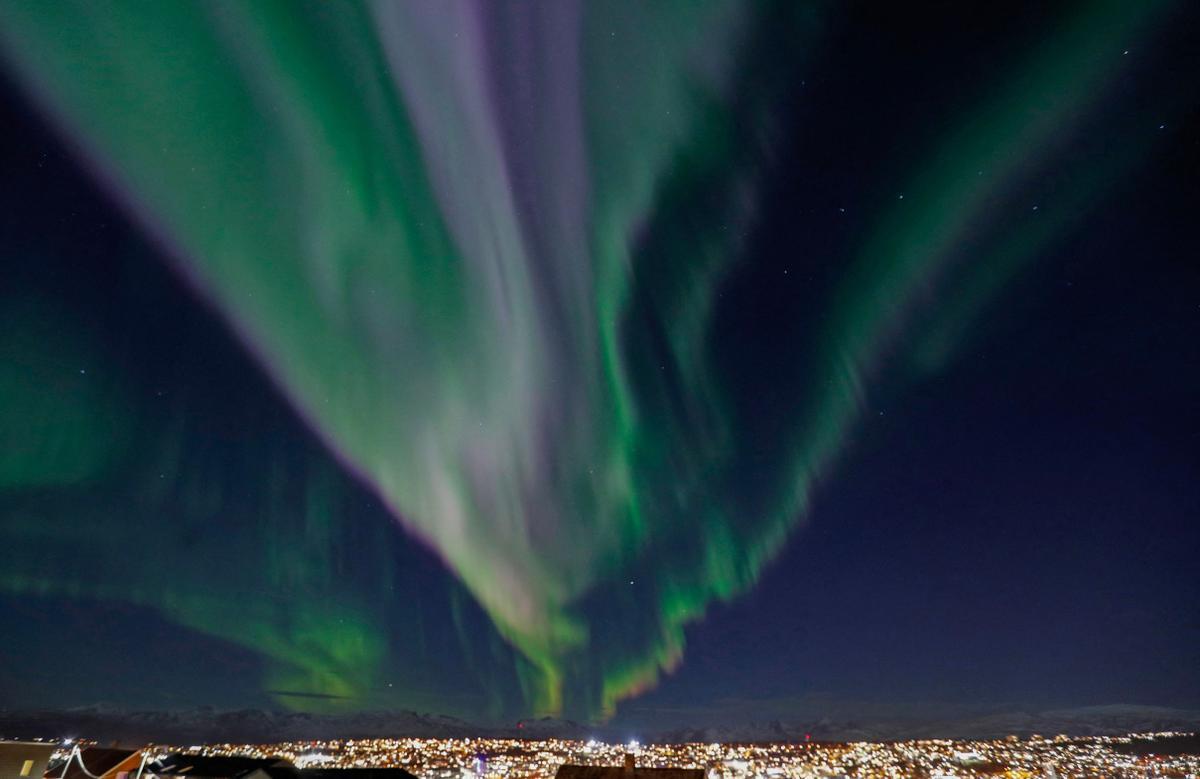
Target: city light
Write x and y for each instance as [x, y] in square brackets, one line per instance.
[1064, 757]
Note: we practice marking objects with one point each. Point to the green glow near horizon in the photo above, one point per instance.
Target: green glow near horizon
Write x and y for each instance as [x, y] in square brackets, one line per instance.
[341, 183]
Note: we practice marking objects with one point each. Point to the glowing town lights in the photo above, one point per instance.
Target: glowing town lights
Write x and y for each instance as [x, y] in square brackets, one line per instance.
[1113, 757]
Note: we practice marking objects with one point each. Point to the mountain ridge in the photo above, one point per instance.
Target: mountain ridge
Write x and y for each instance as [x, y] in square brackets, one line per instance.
[209, 725]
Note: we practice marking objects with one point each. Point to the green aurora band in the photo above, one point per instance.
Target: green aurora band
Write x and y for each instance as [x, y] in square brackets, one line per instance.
[474, 246]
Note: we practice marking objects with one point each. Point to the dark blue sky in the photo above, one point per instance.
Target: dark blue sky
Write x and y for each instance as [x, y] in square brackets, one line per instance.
[1020, 530]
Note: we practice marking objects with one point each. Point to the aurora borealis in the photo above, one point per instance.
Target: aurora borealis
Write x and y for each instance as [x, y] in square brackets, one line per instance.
[495, 274]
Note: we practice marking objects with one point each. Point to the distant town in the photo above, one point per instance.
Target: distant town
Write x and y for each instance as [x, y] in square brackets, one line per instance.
[1167, 754]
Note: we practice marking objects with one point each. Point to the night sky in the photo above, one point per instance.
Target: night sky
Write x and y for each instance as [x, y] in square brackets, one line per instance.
[668, 362]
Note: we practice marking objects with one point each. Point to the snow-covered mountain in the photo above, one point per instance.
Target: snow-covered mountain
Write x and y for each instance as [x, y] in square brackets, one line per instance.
[241, 725]
[255, 725]
[1087, 721]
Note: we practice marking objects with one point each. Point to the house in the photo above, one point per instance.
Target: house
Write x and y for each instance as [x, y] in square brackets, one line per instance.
[20, 759]
[628, 771]
[102, 762]
[201, 767]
